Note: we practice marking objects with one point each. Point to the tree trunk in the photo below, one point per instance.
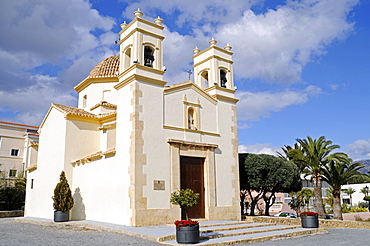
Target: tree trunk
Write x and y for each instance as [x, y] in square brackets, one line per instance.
[337, 205]
[269, 201]
[318, 195]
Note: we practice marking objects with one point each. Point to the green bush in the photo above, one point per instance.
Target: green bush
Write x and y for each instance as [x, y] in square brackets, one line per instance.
[185, 199]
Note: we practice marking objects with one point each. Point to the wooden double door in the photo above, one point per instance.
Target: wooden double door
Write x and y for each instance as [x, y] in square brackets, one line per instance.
[192, 176]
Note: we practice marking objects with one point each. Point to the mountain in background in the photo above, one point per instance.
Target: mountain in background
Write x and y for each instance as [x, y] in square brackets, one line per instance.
[366, 163]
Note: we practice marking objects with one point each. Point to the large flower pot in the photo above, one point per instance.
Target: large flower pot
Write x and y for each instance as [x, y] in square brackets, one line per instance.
[61, 216]
[310, 221]
[187, 234]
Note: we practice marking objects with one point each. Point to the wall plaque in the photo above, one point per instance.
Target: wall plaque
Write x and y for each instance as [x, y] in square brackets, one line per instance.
[159, 185]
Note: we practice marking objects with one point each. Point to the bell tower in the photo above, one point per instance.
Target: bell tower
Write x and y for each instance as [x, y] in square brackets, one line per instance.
[141, 48]
[213, 67]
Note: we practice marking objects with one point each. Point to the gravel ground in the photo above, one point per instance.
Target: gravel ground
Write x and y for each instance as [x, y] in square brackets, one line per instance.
[22, 233]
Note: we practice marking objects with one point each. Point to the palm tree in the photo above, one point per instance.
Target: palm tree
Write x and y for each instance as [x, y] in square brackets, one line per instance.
[337, 173]
[349, 191]
[315, 154]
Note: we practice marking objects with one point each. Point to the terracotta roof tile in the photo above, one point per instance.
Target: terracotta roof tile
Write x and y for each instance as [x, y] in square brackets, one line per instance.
[74, 111]
[104, 104]
[106, 68]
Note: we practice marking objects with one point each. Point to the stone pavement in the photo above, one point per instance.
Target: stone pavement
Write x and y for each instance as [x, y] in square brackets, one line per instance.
[34, 231]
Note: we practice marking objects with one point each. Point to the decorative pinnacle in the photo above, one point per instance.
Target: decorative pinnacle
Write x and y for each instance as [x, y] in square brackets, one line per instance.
[138, 13]
[196, 50]
[123, 24]
[228, 47]
[213, 42]
[158, 21]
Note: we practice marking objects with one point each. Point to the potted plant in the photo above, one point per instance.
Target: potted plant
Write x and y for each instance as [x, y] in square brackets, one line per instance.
[63, 200]
[187, 231]
[309, 219]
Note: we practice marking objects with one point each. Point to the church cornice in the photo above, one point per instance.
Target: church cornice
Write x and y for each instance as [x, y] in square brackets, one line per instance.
[190, 130]
[225, 98]
[138, 66]
[213, 47]
[189, 85]
[141, 31]
[88, 81]
[137, 77]
[188, 143]
[143, 21]
[220, 88]
[211, 57]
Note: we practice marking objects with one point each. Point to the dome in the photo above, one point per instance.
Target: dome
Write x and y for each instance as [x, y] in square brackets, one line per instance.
[106, 68]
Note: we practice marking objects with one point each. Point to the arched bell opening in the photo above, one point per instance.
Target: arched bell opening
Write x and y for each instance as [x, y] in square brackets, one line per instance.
[148, 56]
[223, 79]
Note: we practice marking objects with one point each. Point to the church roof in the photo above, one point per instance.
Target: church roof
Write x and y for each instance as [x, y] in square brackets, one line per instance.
[106, 68]
[73, 111]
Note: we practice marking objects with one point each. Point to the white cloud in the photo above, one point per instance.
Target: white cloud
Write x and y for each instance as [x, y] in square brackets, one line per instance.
[193, 13]
[259, 148]
[253, 106]
[273, 46]
[359, 149]
[31, 103]
[50, 38]
[277, 45]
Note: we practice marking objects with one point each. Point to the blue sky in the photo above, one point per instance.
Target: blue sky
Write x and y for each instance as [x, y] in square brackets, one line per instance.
[301, 67]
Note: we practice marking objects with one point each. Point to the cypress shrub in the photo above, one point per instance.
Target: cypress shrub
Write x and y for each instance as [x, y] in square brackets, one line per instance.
[63, 200]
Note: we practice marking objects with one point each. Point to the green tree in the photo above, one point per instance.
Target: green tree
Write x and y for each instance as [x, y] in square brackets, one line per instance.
[185, 198]
[306, 195]
[349, 191]
[63, 200]
[337, 173]
[315, 154]
[329, 199]
[267, 174]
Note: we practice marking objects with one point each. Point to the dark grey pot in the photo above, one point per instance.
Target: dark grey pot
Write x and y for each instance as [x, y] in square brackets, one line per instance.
[61, 216]
[187, 234]
[310, 221]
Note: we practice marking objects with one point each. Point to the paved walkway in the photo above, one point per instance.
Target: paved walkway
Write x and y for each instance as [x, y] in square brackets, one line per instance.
[41, 232]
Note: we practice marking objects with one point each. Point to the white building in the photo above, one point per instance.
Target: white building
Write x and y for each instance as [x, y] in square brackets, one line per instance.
[357, 197]
[133, 141]
[18, 149]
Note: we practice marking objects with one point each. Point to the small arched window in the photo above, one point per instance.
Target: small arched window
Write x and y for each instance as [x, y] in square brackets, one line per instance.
[127, 59]
[223, 79]
[107, 95]
[204, 77]
[84, 101]
[191, 119]
[148, 56]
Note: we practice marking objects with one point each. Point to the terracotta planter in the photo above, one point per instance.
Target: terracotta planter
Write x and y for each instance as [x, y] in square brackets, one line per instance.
[61, 216]
[310, 221]
[187, 234]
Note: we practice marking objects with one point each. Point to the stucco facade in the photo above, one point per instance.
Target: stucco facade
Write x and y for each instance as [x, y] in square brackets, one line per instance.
[18, 149]
[122, 147]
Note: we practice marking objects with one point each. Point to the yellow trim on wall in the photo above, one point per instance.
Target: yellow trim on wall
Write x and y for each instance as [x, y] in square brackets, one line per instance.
[211, 57]
[188, 85]
[190, 130]
[88, 81]
[219, 88]
[214, 47]
[143, 21]
[183, 142]
[139, 78]
[141, 31]
[225, 98]
[31, 168]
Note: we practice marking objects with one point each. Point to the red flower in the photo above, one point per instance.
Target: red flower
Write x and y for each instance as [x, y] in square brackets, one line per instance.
[308, 213]
[181, 223]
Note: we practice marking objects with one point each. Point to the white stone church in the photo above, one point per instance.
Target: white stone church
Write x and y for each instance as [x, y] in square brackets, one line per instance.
[133, 141]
